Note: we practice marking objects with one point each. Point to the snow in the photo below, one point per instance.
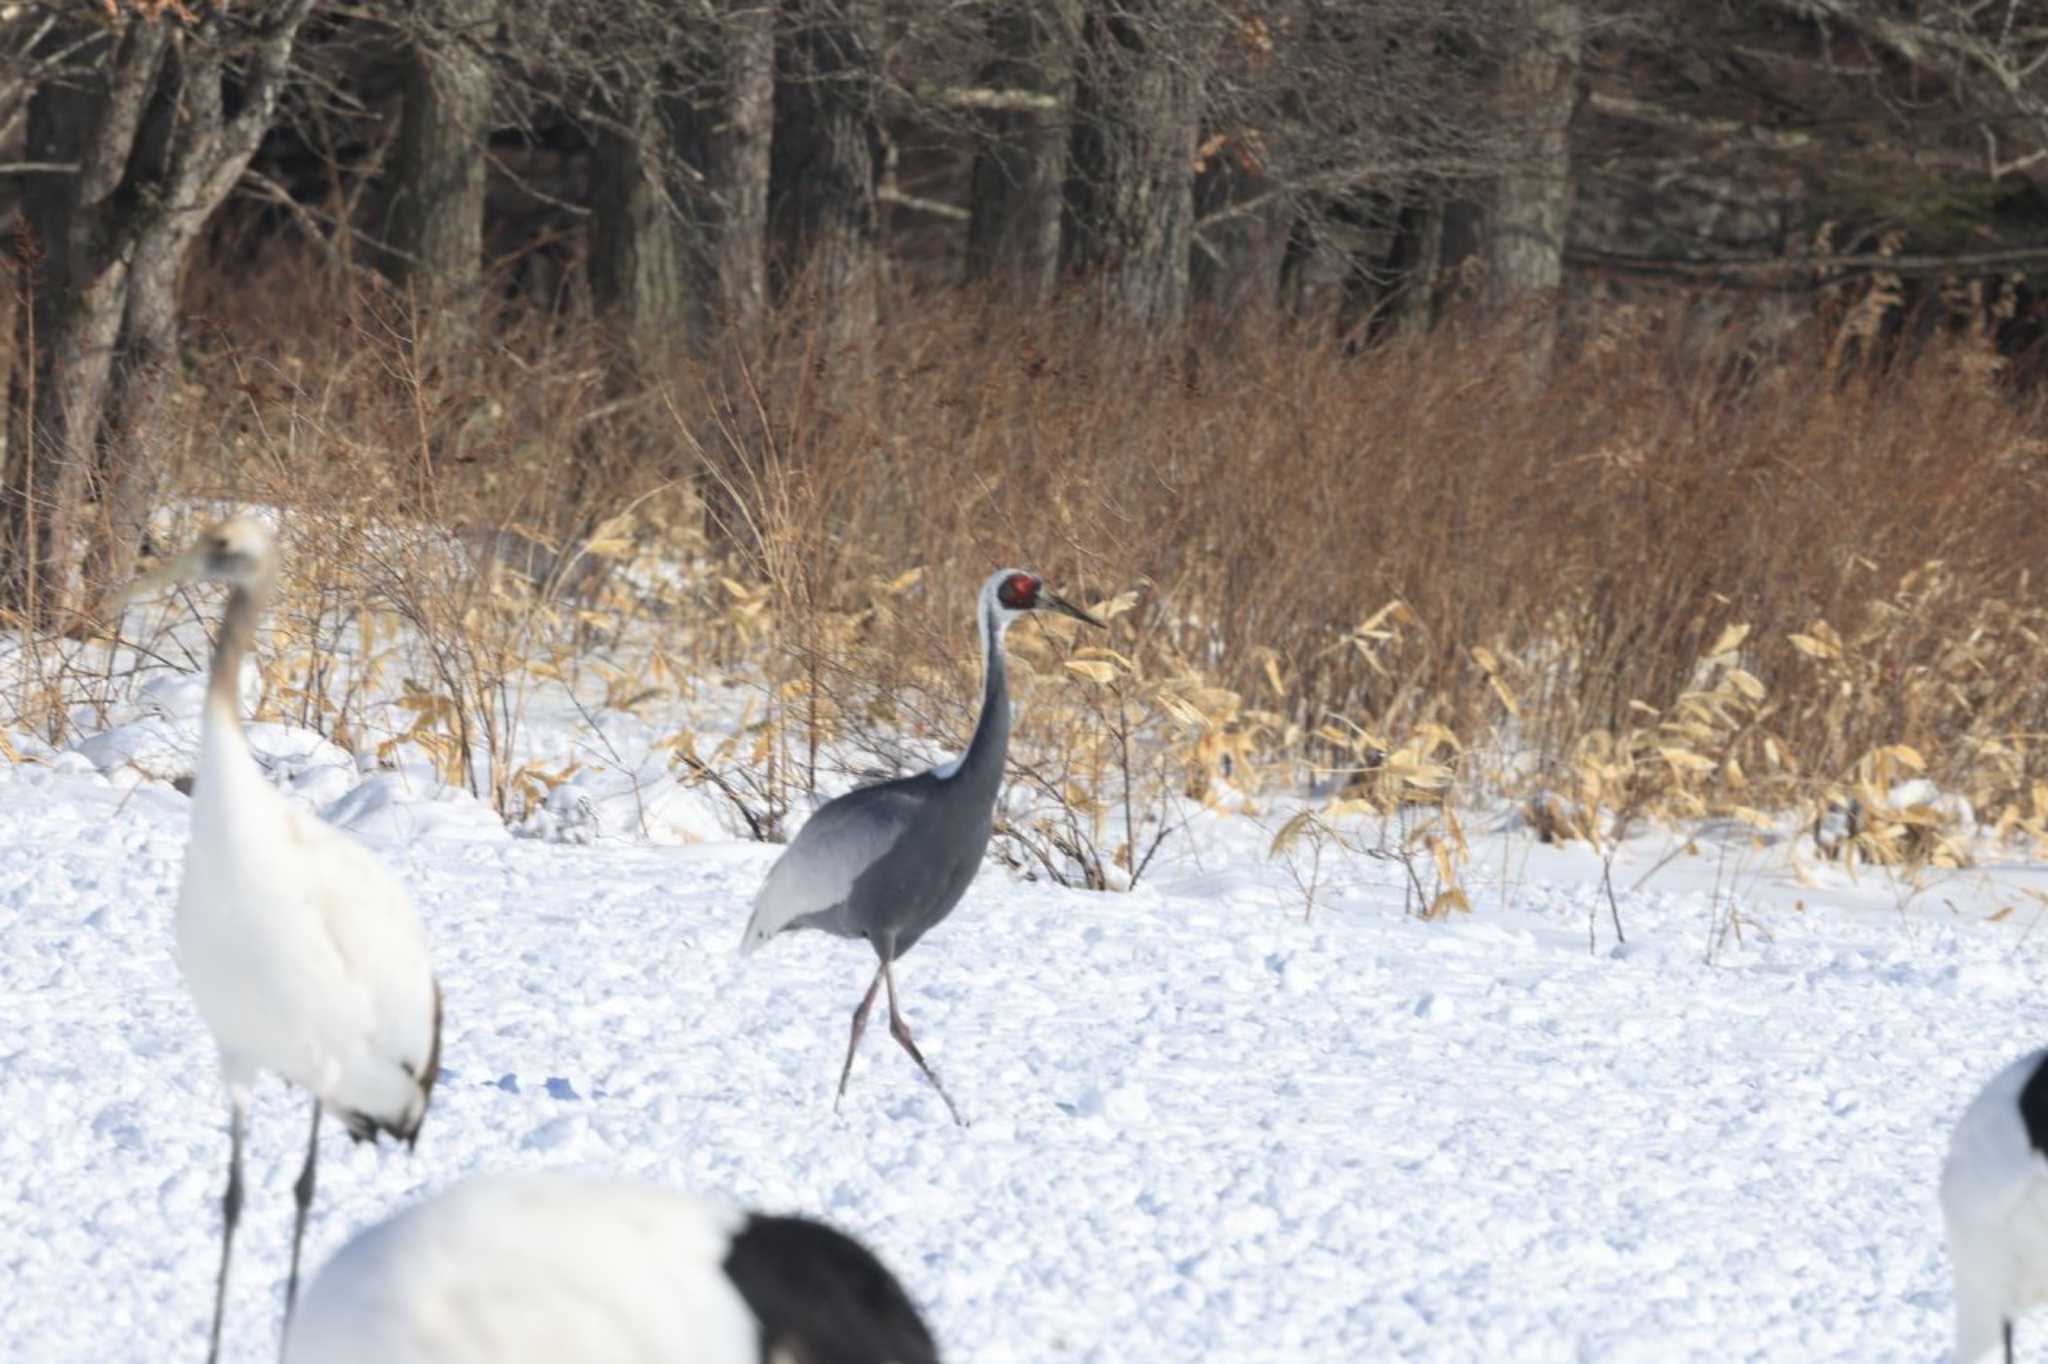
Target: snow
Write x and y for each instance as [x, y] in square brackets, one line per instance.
[1205, 1124]
[1210, 1120]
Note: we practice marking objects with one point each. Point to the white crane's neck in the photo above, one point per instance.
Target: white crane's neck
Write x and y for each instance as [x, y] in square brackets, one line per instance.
[224, 758]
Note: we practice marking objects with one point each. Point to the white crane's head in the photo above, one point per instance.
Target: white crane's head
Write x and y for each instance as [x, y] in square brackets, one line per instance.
[237, 552]
[1011, 593]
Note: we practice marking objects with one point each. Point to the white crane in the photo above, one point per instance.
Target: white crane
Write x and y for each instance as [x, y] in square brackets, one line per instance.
[545, 1268]
[888, 862]
[1994, 1198]
[301, 950]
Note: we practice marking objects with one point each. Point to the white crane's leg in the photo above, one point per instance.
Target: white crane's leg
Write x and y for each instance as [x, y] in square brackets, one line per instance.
[231, 1213]
[860, 1022]
[302, 1195]
[900, 1030]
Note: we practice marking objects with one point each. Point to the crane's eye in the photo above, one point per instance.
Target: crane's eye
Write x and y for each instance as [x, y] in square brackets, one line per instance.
[1019, 592]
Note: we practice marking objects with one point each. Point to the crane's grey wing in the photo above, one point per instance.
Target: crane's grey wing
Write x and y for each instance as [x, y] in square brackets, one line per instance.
[816, 872]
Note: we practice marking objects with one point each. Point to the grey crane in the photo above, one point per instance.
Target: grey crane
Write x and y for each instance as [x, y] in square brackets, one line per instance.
[888, 862]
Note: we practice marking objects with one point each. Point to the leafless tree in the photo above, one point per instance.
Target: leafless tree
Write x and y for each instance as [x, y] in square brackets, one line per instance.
[436, 205]
[1025, 103]
[824, 217]
[140, 108]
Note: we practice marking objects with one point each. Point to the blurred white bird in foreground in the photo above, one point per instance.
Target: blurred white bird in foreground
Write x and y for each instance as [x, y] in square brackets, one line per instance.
[545, 1268]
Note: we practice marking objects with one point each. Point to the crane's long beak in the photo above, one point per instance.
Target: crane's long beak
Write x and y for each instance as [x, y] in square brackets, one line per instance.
[1067, 608]
[182, 568]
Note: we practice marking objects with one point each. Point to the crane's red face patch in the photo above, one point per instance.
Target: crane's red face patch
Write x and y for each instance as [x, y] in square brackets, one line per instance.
[1019, 592]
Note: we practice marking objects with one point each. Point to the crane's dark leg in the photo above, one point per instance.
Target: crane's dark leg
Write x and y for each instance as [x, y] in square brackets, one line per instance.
[302, 1196]
[860, 1022]
[231, 1213]
[900, 1030]
[2008, 1341]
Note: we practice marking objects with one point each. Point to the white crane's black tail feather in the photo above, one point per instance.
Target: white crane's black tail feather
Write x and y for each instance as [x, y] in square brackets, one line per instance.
[364, 1127]
[429, 1073]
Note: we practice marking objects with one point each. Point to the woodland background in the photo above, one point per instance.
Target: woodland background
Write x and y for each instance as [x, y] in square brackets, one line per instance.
[1647, 393]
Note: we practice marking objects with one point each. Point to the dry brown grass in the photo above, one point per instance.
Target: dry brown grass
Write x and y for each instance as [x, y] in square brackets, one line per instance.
[1321, 559]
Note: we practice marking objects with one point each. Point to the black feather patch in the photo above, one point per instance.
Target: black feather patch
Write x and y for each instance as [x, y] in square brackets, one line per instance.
[2034, 1106]
[428, 1073]
[821, 1298]
[365, 1127]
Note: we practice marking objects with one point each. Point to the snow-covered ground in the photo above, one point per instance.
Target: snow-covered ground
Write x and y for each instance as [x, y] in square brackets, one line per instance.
[1203, 1129]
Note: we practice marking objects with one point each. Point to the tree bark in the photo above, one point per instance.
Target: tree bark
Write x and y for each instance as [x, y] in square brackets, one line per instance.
[1525, 234]
[157, 153]
[1131, 194]
[636, 267]
[680, 187]
[1013, 225]
[726, 256]
[437, 204]
[739, 164]
[1416, 262]
[69, 331]
[824, 219]
[1234, 274]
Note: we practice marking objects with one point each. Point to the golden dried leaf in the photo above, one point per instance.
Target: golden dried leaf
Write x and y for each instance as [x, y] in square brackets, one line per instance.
[1093, 669]
[1447, 901]
[1291, 832]
[1507, 698]
[1395, 610]
[1729, 640]
[1117, 605]
[1816, 648]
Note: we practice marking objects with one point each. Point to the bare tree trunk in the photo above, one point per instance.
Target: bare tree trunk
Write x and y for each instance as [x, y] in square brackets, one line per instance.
[636, 267]
[1013, 227]
[157, 154]
[136, 439]
[678, 232]
[1234, 274]
[68, 334]
[727, 139]
[437, 205]
[1416, 262]
[824, 220]
[1131, 194]
[736, 165]
[1525, 237]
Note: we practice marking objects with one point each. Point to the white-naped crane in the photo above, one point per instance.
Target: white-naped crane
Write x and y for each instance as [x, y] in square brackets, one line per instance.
[888, 862]
[544, 1268]
[1994, 1199]
[301, 950]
